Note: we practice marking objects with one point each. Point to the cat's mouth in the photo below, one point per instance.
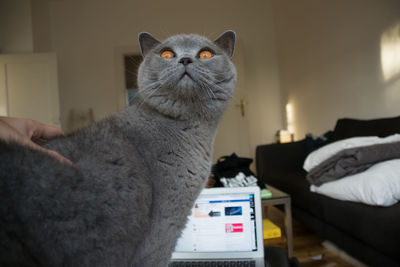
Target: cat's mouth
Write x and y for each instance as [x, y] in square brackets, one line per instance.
[185, 75]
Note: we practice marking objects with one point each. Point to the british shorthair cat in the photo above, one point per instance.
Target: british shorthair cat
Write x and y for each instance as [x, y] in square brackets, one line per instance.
[136, 174]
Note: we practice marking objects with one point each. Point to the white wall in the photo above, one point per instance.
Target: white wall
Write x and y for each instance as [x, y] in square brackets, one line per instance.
[336, 58]
[41, 26]
[330, 60]
[87, 33]
[15, 26]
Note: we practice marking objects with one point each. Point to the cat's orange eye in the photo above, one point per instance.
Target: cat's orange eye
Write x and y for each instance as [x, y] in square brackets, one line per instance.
[167, 54]
[205, 54]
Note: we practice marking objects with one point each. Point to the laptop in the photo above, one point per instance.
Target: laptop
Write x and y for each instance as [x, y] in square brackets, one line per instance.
[225, 227]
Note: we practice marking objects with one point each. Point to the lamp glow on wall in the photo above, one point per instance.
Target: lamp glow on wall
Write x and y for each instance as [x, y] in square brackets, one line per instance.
[289, 118]
[286, 136]
[290, 121]
[390, 52]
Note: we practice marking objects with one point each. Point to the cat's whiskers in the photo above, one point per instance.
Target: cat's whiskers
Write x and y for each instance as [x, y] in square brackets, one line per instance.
[211, 85]
[214, 71]
[206, 87]
[135, 63]
[157, 85]
[208, 79]
[144, 92]
[216, 81]
[212, 75]
[130, 72]
[201, 83]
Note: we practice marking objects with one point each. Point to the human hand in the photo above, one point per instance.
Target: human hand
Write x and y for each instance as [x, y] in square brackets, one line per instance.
[26, 131]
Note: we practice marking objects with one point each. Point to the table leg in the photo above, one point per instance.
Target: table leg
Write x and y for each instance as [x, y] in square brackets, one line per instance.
[289, 229]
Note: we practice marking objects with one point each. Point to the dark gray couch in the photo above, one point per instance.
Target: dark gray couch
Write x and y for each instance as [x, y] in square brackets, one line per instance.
[368, 233]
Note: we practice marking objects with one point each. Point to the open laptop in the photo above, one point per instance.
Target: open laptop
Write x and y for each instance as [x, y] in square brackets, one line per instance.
[225, 226]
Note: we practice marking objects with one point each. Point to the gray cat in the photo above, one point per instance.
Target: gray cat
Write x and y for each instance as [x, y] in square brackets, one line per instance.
[136, 174]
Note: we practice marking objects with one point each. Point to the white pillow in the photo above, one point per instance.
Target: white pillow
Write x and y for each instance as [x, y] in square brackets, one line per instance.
[318, 156]
[379, 185]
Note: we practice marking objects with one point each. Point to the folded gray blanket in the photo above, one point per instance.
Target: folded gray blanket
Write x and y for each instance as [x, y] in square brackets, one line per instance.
[351, 161]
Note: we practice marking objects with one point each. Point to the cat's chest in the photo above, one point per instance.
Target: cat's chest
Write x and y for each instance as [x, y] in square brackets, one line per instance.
[184, 162]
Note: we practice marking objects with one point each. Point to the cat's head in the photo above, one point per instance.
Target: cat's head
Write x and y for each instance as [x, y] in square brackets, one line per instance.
[187, 76]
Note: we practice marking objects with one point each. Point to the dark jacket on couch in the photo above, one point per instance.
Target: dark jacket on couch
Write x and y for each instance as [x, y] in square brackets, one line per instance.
[368, 233]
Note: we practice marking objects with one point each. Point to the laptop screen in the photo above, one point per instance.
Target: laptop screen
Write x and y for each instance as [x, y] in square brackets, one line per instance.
[220, 223]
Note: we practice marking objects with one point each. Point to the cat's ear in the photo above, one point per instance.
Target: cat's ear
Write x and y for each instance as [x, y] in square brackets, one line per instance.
[147, 42]
[227, 42]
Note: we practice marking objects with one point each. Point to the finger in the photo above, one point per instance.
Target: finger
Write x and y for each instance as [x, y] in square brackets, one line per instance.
[58, 156]
[43, 131]
[52, 153]
[13, 130]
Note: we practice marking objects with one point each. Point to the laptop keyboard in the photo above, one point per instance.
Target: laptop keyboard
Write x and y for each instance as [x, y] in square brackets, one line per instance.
[212, 264]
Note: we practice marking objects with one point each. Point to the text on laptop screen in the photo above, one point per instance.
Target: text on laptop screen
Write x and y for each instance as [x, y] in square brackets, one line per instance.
[220, 223]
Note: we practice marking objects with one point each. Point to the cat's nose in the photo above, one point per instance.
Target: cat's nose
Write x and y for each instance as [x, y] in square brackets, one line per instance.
[185, 60]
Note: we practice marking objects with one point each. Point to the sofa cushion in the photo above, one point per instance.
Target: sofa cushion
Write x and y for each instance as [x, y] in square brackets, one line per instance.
[375, 226]
[371, 225]
[346, 128]
[274, 159]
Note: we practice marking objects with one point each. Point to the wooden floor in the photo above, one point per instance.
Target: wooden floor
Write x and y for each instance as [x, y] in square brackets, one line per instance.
[309, 248]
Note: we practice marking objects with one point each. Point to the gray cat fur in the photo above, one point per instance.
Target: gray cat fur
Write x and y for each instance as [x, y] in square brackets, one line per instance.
[136, 174]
